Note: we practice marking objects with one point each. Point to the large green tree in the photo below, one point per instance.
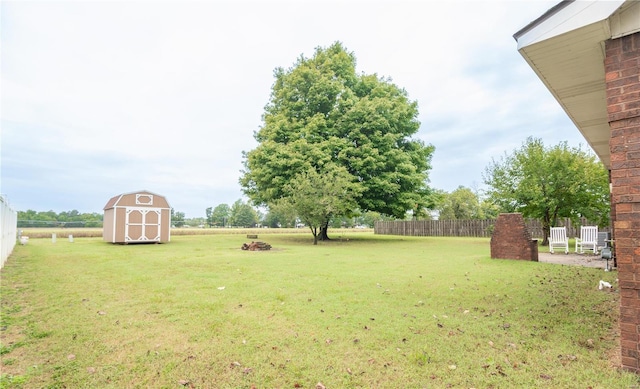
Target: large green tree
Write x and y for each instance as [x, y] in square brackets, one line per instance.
[322, 112]
[548, 183]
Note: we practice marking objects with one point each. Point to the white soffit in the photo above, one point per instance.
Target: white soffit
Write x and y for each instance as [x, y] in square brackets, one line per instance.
[565, 48]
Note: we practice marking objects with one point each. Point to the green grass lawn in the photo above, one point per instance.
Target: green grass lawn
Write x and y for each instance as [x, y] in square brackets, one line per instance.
[361, 311]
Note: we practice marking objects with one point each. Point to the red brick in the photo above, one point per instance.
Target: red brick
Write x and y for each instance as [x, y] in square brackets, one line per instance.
[628, 293]
[629, 56]
[614, 92]
[615, 109]
[626, 344]
[629, 327]
[627, 360]
[628, 198]
[619, 83]
[629, 353]
[629, 345]
[629, 284]
[629, 267]
[625, 276]
[630, 364]
[617, 182]
[629, 70]
[620, 224]
[611, 75]
[622, 127]
[623, 243]
[621, 156]
[631, 311]
[624, 207]
[626, 164]
[622, 259]
[618, 173]
[630, 89]
[613, 47]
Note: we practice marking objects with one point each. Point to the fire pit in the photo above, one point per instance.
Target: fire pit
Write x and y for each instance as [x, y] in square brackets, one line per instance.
[256, 246]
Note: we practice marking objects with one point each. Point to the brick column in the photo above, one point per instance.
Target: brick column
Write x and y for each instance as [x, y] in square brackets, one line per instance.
[622, 67]
[511, 239]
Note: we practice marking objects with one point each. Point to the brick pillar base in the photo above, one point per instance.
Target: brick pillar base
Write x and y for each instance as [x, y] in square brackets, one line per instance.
[622, 67]
[511, 239]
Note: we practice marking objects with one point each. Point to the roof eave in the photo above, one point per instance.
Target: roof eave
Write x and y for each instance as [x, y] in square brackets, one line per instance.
[565, 48]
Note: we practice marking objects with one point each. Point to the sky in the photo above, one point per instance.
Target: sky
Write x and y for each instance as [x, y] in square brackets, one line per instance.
[100, 98]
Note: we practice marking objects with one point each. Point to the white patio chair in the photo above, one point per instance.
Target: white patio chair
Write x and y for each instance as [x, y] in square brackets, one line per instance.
[588, 239]
[558, 238]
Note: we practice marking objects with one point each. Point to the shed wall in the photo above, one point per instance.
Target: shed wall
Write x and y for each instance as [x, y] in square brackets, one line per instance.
[108, 225]
[138, 217]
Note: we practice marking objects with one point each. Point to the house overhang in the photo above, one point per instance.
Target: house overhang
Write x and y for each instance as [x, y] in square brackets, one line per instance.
[565, 48]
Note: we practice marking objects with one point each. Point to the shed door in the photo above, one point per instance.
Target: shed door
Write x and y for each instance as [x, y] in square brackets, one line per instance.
[142, 225]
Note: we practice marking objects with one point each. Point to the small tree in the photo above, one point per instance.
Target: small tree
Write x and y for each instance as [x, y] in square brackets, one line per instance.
[220, 215]
[370, 218]
[279, 216]
[461, 204]
[208, 214]
[243, 215]
[317, 196]
[548, 183]
[177, 218]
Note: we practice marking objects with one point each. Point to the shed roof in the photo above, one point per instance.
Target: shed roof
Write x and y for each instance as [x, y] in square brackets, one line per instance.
[565, 48]
[116, 199]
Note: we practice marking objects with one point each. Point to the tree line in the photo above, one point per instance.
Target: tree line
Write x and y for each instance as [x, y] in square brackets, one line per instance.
[242, 214]
[31, 218]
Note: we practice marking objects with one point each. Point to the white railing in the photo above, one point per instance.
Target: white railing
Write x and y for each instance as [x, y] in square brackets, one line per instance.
[8, 230]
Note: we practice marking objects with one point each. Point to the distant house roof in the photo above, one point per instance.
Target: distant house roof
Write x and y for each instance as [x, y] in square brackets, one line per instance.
[565, 48]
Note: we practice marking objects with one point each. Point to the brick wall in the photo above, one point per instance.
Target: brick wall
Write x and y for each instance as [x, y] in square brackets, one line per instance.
[511, 239]
[622, 74]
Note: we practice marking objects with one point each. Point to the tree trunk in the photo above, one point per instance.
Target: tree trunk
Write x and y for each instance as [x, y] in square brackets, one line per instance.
[323, 231]
[546, 230]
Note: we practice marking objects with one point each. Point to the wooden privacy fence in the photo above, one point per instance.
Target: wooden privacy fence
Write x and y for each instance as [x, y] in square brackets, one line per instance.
[471, 228]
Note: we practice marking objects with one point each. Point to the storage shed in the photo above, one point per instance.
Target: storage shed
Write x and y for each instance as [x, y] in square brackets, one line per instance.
[137, 217]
